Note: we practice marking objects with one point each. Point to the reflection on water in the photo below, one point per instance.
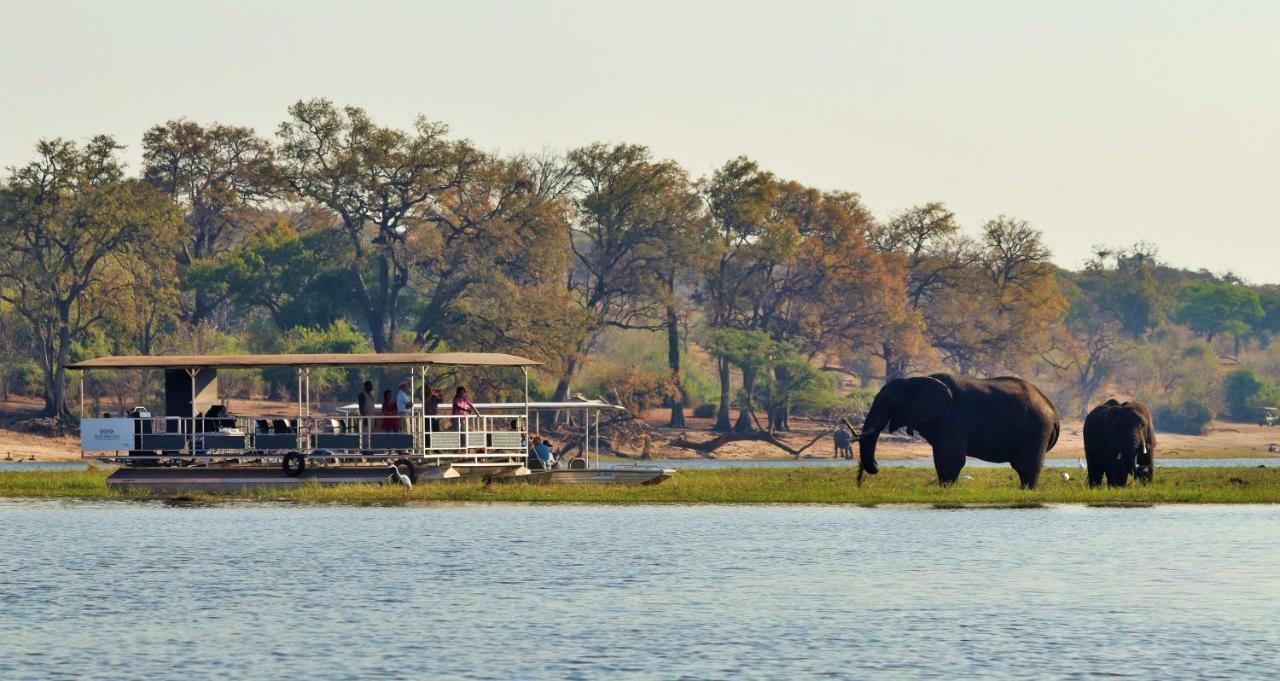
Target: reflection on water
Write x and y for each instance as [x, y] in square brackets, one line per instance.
[141, 591]
[928, 463]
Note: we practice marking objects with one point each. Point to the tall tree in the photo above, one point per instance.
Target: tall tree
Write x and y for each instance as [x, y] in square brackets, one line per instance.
[939, 260]
[219, 174]
[740, 198]
[71, 221]
[624, 223]
[379, 182]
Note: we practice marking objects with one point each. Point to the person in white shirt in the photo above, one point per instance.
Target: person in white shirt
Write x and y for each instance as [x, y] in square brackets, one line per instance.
[403, 401]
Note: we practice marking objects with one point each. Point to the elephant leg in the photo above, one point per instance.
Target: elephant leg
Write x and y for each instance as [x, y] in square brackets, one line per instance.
[1095, 473]
[1028, 467]
[1117, 476]
[948, 461]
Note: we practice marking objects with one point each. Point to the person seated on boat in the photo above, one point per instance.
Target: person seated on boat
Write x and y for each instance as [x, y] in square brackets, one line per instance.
[390, 423]
[540, 456]
[545, 453]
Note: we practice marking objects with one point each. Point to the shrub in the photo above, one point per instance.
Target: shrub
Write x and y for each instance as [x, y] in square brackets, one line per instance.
[26, 379]
[634, 387]
[1245, 394]
[706, 410]
[1188, 416]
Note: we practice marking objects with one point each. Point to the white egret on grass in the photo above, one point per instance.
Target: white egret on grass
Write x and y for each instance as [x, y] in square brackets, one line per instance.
[397, 477]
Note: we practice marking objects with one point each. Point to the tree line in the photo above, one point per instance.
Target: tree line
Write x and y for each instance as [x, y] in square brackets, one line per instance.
[342, 234]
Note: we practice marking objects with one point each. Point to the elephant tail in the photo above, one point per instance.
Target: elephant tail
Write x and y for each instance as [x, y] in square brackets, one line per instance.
[1053, 439]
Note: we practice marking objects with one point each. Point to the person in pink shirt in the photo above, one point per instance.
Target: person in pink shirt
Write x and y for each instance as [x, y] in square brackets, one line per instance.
[461, 405]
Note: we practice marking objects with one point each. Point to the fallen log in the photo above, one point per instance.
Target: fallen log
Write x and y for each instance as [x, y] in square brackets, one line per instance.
[683, 442]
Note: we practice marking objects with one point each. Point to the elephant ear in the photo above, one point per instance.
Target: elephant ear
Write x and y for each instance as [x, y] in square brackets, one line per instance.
[930, 398]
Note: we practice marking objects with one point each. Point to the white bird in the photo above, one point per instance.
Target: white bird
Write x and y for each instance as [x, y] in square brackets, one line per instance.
[1066, 477]
[966, 477]
[397, 477]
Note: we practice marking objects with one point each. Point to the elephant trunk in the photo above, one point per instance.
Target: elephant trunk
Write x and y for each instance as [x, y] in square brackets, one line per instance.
[877, 419]
[1144, 471]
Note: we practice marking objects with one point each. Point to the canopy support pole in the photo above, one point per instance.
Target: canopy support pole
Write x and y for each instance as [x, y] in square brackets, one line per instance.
[82, 396]
[192, 373]
[526, 405]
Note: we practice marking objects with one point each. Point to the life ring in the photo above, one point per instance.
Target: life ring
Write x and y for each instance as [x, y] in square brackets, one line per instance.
[294, 463]
[409, 470]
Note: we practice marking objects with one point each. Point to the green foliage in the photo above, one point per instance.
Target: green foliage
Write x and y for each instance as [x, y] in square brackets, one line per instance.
[339, 337]
[1246, 394]
[700, 386]
[26, 378]
[1189, 416]
[1211, 307]
[796, 383]
[295, 276]
[705, 410]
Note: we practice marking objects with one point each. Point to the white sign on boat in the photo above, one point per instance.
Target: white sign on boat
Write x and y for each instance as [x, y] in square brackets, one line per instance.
[106, 435]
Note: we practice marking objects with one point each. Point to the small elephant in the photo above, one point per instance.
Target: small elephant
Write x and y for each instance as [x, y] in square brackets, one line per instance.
[1002, 420]
[1118, 442]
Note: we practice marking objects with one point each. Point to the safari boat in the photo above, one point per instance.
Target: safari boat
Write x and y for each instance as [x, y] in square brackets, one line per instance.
[198, 443]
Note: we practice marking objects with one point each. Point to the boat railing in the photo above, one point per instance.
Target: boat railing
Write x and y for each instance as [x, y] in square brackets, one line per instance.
[462, 439]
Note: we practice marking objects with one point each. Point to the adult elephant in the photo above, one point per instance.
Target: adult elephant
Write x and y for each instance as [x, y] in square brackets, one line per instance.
[1002, 420]
[1118, 442]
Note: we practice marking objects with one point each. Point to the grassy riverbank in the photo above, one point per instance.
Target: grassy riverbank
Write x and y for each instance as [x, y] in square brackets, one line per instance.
[987, 487]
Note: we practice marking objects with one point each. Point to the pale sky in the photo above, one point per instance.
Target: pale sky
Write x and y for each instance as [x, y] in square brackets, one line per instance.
[1099, 122]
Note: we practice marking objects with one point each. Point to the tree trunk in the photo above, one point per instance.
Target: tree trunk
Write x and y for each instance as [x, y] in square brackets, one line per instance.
[54, 360]
[673, 361]
[780, 413]
[549, 419]
[744, 424]
[722, 413]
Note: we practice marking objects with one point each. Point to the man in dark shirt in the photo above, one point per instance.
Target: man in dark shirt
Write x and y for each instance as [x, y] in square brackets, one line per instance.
[432, 407]
[368, 405]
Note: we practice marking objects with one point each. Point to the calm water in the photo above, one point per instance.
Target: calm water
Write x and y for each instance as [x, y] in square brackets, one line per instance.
[928, 463]
[142, 591]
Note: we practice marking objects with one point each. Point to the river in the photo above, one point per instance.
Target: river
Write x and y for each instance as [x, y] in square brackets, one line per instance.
[140, 590]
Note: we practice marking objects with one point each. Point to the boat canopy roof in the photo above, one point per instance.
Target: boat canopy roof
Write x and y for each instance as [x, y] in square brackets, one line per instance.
[392, 359]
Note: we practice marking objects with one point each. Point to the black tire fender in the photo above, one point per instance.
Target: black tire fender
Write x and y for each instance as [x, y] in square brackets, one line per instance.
[294, 463]
[410, 471]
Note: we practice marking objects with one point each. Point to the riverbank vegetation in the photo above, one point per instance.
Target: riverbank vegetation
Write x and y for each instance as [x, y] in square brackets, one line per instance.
[980, 487]
[631, 279]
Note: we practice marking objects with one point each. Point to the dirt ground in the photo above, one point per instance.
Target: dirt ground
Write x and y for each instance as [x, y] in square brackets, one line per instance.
[1223, 439]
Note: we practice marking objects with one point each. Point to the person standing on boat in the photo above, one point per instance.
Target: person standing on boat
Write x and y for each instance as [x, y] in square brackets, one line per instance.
[432, 407]
[462, 408]
[403, 402]
[390, 423]
[367, 404]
